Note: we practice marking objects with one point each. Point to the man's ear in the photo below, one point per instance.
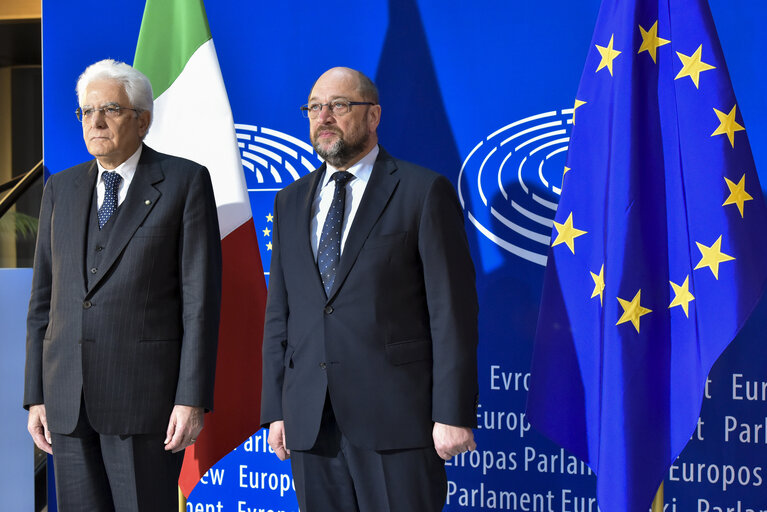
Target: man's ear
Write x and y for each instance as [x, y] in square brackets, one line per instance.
[144, 120]
[374, 117]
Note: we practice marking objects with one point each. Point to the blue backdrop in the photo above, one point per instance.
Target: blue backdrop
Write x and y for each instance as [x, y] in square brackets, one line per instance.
[17, 482]
[482, 92]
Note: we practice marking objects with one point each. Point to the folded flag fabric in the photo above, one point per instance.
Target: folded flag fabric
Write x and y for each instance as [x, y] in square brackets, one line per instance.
[658, 252]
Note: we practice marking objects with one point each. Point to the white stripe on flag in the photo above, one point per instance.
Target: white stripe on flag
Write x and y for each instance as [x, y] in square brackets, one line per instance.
[193, 119]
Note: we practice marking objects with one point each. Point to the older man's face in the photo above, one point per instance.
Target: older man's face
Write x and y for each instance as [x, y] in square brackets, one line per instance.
[112, 140]
[343, 140]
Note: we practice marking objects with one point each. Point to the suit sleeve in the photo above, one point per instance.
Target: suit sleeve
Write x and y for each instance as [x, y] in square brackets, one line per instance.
[452, 302]
[39, 303]
[200, 262]
[275, 332]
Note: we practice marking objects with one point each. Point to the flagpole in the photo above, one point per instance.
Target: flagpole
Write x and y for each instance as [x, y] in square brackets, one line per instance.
[182, 501]
[657, 503]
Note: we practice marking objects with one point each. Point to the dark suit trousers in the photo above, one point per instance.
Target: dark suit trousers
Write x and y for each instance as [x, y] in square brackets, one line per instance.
[335, 476]
[105, 473]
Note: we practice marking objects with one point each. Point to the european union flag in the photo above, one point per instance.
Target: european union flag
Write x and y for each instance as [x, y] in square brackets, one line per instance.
[658, 252]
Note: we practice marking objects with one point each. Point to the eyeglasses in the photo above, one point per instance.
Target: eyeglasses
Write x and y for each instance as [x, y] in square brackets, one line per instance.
[111, 111]
[337, 108]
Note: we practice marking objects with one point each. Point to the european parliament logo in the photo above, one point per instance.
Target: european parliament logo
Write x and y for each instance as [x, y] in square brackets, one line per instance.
[272, 159]
[509, 185]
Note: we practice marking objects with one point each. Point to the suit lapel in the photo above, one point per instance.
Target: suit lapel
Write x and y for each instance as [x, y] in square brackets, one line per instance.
[305, 223]
[141, 198]
[377, 193]
[84, 189]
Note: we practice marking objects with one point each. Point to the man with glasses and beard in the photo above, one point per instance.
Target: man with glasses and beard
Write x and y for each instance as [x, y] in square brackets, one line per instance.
[369, 367]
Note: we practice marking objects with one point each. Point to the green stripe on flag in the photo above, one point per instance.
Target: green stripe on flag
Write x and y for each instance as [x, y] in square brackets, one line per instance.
[171, 31]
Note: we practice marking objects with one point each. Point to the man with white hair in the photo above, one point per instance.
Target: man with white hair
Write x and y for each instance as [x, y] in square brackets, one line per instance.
[123, 318]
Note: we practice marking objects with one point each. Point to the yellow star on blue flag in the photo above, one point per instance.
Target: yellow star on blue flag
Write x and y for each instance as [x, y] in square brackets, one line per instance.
[667, 204]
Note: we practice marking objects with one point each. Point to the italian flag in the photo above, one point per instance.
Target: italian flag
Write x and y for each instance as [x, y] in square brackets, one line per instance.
[193, 119]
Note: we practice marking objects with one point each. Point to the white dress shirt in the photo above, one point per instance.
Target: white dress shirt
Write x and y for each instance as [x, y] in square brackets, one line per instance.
[354, 191]
[126, 170]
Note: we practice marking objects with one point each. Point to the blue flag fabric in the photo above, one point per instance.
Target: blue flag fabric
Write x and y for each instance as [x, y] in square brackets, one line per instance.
[658, 251]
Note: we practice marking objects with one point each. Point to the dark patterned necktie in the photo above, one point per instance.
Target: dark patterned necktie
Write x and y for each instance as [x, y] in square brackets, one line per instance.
[329, 250]
[109, 205]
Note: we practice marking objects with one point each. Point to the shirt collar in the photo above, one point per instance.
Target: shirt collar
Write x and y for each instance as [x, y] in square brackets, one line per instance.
[126, 169]
[361, 170]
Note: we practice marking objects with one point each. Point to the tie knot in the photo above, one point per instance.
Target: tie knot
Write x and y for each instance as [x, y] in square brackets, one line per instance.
[111, 179]
[341, 178]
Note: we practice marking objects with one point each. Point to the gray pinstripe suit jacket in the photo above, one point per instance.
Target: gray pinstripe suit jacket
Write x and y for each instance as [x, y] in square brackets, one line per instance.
[142, 336]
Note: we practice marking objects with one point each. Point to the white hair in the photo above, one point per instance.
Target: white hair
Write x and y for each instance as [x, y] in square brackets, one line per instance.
[137, 86]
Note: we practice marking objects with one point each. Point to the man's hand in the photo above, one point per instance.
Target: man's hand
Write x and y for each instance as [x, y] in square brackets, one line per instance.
[450, 441]
[277, 439]
[37, 424]
[183, 428]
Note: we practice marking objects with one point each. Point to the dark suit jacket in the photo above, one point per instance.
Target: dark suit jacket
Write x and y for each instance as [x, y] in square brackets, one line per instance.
[143, 336]
[395, 343]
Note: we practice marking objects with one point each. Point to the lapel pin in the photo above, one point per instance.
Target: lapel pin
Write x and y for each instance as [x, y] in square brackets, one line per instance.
[147, 202]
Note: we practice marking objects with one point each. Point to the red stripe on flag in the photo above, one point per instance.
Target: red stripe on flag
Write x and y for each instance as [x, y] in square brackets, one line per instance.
[238, 366]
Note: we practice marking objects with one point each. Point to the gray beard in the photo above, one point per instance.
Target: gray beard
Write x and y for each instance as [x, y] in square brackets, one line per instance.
[340, 153]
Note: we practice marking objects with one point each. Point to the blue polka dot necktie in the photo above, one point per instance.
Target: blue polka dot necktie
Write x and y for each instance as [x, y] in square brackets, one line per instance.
[329, 250]
[109, 205]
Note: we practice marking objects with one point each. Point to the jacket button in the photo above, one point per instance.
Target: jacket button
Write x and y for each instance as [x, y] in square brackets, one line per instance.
[99, 248]
[87, 304]
[323, 365]
[328, 310]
